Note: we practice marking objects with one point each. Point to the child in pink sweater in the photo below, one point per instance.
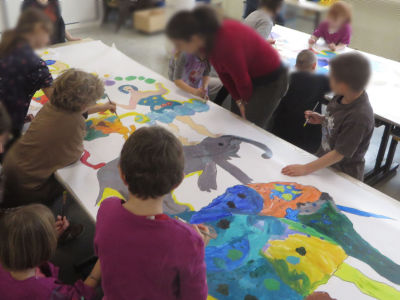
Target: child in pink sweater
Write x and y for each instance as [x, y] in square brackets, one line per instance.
[28, 239]
[145, 254]
[336, 29]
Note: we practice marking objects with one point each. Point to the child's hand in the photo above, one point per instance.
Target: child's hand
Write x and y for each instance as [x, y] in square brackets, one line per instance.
[313, 117]
[311, 41]
[29, 118]
[201, 93]
[271, 41]
[61, 225]
[199, 228]
[332, 46]
[296, 170]
[109, 106]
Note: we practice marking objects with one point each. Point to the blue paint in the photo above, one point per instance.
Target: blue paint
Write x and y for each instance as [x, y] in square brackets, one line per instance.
[123, 88]
[361, 213]
[323, 62]
[294, 260]
[239, 199]
[292, 214]
[50, 62]
[280, 190]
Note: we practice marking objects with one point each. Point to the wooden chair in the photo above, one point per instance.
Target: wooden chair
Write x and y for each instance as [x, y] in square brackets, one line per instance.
[125, 8]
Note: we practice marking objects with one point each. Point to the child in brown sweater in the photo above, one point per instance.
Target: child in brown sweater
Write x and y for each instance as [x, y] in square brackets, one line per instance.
[53, 141]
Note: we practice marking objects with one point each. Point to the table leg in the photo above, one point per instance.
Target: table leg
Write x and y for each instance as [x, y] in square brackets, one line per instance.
[317, 19]
[381, 153]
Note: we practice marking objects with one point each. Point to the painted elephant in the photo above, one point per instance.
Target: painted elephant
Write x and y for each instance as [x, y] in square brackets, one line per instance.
[203, 157]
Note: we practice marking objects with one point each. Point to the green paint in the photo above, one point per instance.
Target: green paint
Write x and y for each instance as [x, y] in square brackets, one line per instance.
[329, 221]
[118, 78]
[130, 78]
[289, 187]
[235, 254]
[141, 78]
[307, 230]
[219, 263]
[366, 285]
[272, 284]
[287, 197]
[150, 80]
[280, 188]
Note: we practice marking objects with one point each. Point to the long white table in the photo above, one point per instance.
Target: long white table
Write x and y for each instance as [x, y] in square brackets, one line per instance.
[372, 217]
[383, 91]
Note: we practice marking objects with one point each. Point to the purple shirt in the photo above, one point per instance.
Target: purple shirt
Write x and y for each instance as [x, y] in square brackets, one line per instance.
[42, 288]
[148, 259]
[342, 36]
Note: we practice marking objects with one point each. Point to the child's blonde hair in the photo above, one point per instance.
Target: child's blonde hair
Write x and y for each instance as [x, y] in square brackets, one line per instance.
[28, 237]
[341, 8]
[76, 90]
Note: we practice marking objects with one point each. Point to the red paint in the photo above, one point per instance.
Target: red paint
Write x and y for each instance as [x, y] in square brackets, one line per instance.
[84, 160]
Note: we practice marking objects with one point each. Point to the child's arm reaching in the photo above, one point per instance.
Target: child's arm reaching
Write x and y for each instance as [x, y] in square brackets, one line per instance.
[101, 108]
[94, 277]
[325, 161]
[187, 88]
[312, 40]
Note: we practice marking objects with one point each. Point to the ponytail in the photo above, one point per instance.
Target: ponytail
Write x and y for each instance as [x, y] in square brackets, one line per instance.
[202, 21]
[26, 24]
[5, 121]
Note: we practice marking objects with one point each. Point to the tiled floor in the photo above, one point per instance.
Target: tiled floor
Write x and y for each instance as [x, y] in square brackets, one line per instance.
[151, 52]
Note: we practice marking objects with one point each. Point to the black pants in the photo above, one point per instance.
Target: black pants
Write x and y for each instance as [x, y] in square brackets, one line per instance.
[264, 100]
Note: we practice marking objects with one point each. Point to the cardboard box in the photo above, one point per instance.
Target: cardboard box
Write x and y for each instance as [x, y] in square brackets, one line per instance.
[150, 20]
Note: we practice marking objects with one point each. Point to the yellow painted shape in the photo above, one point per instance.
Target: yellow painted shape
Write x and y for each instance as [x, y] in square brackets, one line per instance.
[322, 258]
[211, 298]
[109, 192]
[365, 284]
[190, 206]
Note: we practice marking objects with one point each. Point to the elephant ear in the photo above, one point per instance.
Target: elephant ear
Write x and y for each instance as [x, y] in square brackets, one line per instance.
[208, 179]
[267, 151]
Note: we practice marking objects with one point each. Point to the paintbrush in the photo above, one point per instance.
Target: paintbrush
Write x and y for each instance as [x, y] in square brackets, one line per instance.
[315, 107]
[64, 202]
[211, 236]
[109, 100]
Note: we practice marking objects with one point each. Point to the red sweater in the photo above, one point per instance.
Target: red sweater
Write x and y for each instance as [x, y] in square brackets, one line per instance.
[239, 55]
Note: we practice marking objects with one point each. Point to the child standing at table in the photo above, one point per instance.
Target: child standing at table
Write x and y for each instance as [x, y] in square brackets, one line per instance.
[348, 124]
[145, 254]
[306, 91]
[336, 29]
[191, 73]
[53, 141]
[22, 72]
[262, 20]
[28, 240]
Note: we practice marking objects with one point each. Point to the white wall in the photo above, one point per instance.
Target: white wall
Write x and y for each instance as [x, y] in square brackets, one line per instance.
[73, 10]
[376, 25]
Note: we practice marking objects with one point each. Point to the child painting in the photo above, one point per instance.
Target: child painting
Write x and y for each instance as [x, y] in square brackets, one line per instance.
[336, 29]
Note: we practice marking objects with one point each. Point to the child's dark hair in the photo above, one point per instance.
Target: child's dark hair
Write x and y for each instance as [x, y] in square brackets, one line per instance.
[152, 162]
[203, 21]
[352, 69]
[272, 5]
[5, 121]
[305, 60]
[28, 237]
[26, 24]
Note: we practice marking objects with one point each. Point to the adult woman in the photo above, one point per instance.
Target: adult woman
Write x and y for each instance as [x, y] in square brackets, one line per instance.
[250, 68]
[52, 9]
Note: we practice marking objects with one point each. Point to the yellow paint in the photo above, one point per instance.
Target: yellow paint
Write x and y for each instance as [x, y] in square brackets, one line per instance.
[109, 192]
[211, 298]
[321, 260]
[200, 129]
[367, 285]
[107, 75]
[190, 206]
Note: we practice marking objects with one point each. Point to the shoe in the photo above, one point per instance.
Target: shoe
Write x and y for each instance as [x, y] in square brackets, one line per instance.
[73, 232]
